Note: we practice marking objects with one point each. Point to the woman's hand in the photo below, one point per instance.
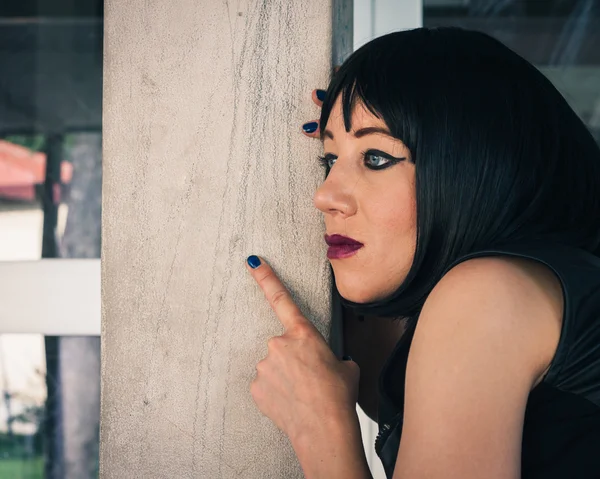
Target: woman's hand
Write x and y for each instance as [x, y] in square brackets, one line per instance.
[312, 128]
[301, 386]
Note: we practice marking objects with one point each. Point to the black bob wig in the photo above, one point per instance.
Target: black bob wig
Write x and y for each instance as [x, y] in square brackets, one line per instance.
[499, 155]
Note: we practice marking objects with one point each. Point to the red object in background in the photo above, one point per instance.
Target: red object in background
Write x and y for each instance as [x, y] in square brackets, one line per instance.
[21, 169]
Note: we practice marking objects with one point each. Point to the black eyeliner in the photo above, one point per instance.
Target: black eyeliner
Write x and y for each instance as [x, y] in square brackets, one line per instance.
[324, 160]
[392, 159]
[382, 153]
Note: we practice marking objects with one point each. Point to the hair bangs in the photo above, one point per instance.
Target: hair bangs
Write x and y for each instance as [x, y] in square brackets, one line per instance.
[360, 81]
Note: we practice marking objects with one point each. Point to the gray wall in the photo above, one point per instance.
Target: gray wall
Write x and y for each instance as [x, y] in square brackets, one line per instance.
[204, 164]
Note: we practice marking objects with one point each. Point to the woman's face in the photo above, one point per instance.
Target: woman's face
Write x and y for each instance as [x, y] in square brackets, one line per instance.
[375, 207]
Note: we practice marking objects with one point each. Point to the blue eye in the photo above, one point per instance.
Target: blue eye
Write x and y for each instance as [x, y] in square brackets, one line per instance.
[382, 160]
[378, 156]
[378, 159]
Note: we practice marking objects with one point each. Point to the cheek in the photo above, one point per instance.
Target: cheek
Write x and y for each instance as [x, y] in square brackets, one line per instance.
[396, 217]
[397, 223]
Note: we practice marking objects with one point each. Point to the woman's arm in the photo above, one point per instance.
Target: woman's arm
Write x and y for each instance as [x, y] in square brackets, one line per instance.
[487, 332]
[370, 343]
[335, 452]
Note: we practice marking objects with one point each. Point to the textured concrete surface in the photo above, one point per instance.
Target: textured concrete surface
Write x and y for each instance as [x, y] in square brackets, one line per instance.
[204, 165]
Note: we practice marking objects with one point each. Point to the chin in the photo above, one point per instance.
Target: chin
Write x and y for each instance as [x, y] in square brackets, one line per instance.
[357, 294]
[356, 291]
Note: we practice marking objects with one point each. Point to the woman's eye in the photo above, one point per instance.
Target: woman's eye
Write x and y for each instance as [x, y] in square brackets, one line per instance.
[328, 160]
[373, 159]
[378, 160]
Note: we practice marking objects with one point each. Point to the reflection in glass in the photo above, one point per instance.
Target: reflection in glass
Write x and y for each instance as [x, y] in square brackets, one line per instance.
[559, 37]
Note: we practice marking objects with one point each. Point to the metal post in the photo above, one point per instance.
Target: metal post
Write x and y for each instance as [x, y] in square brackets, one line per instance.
[50, 199]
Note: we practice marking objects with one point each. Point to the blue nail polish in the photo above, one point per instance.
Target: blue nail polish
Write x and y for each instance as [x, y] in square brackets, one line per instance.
[253, 261]
[347, 358]
[310, 127]
[321, 95]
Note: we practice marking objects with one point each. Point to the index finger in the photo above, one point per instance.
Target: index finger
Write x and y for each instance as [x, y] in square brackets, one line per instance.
[276, 293]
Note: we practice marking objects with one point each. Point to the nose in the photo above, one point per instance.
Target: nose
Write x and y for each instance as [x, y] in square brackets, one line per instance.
[336, 196]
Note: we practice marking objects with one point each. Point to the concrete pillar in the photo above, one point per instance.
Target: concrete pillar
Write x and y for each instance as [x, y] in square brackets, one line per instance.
[204, 165]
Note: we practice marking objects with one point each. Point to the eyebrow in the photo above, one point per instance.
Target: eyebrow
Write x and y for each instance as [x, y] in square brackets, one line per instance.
[363, 132]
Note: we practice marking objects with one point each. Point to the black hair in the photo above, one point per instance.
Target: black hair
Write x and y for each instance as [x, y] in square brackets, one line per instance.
[499, 154]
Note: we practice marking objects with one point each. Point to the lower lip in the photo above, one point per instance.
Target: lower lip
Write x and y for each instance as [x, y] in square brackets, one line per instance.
[342, 250]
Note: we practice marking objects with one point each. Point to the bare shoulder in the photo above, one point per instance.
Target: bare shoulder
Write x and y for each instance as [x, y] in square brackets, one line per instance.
[504, 296]
[486, 334]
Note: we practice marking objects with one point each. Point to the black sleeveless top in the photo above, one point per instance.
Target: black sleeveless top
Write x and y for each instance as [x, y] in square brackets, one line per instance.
[561, 431]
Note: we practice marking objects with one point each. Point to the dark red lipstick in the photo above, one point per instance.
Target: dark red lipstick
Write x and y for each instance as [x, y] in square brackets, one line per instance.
[341, 246]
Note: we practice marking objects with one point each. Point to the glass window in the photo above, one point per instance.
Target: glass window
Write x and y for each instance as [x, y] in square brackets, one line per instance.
[50, 197]
[561, 38]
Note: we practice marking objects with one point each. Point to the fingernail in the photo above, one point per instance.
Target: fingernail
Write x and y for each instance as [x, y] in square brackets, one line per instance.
[310, 127]
[321, 95]
[347, 358]
[253, 261]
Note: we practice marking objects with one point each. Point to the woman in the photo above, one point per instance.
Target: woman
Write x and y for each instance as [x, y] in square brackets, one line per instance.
[462, 209]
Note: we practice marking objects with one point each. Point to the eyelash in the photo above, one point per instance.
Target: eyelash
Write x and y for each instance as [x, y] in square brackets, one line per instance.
[324, 160]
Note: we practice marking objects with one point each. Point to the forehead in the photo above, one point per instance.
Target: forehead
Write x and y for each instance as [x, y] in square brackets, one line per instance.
[360, 116]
